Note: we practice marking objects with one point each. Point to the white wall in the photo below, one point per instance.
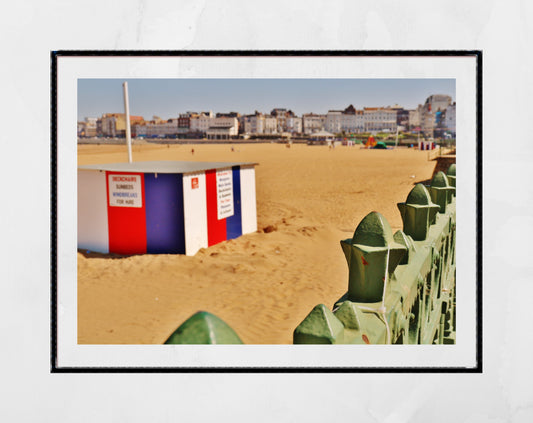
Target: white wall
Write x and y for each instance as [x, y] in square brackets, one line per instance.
[195, 213]
[92, 211]
[248, 200]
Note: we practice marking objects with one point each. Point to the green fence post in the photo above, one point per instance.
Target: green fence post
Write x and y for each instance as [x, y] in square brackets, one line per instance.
[418, 213]
[401, 238]
[441, 191]
[320, 326]
[204, 328]
[451, 175]
[349, 315]
[370, 254]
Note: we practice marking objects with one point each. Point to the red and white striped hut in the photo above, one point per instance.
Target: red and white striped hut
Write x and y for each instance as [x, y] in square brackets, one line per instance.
[426, 145]
[164, 207]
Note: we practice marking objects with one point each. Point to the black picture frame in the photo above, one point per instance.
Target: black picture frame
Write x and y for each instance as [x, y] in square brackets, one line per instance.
[55, 55]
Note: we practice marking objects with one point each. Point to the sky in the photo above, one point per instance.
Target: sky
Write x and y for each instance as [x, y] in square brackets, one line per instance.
[167, 98]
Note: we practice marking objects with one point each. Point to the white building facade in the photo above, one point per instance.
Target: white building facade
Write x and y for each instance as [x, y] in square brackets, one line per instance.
[223, 128]
[201, 122]
[450, 118]
[348, 122]
[334, 121]
[359, 121]
[254, 124]
[293, 125]
[433, 104]
[270, 125]
[313, 123]
[156, 128]
[414, 117]
[379, 119]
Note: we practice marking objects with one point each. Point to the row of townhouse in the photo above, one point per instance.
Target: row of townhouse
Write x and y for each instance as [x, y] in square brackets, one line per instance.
[380, 119]
[109, 125]
[155, 128]
[88, 127]
[203, 124]
[350, 120]
[261, 124]
[279, 121]
[434, 118]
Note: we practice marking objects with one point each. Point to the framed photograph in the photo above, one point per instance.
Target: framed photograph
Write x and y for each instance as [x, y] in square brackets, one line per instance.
[231, 211]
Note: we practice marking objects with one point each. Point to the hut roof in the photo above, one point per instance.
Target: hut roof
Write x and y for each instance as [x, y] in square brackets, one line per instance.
[164, 166]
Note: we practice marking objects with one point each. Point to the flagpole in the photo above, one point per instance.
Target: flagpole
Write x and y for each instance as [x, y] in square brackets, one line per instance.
[128, 129]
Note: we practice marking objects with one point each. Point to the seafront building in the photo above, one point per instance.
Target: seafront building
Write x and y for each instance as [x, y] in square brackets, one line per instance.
[280, 115]
[313, 123]
[359, 121]
[402, 116]
[200, 123]
[222, 128]
[155, 128]
[450, 119]
[432, 113]
[414, 118]
[344, 121]
[114, 124]
[88, 128]
[434, 118]
[294, 125]
[334, 121]
[380, 119]
[254, 124]
[271, 125]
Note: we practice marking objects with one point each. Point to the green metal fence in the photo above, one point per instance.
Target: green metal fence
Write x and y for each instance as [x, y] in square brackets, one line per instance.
[401, 287]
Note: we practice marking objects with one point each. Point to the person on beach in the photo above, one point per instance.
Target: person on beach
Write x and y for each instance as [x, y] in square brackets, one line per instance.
[192, 151]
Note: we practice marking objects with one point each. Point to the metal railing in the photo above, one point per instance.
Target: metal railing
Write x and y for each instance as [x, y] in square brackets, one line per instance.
[438, 152]
[401, 287]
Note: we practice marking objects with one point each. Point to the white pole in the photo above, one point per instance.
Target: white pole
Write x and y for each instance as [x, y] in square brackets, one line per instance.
[396, 144]
[128, 129]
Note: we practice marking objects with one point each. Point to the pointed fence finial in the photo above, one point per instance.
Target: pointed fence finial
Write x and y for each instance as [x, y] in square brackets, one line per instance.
[401, 238]
[320, 326]
[204, 328]
[371, 254]
[418, 213]
[441, 191]
[451, 175]
[349, 315]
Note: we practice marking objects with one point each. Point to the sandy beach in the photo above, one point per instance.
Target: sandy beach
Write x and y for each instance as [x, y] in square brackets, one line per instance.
[261, 284]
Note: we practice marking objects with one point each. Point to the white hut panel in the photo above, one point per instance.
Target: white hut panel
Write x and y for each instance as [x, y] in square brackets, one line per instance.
[248, 200]
[195, 212]
[93, 232]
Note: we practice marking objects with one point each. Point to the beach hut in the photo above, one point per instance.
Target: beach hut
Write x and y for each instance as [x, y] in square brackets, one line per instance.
[426, 145]
[164, 207]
